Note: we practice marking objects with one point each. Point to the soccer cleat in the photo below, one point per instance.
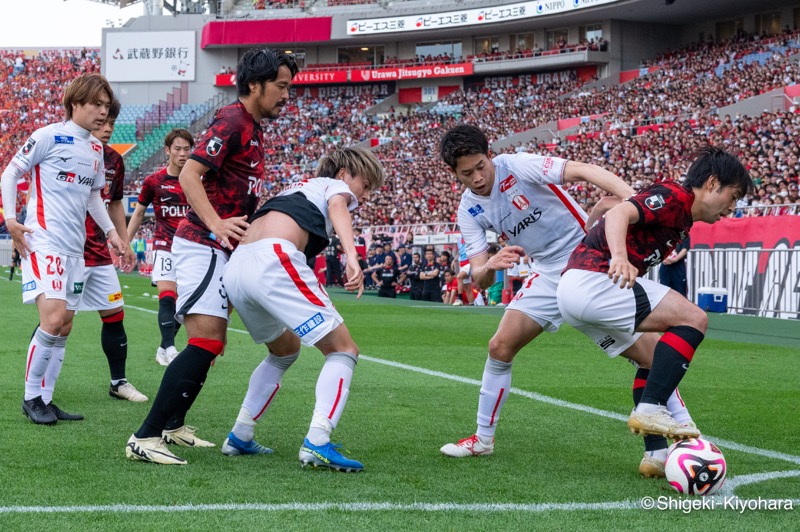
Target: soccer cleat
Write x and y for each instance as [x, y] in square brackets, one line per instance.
[660, 422]
[126, 390]
[327, 456]
[151, 450]
[63, 416]
[184, 436]
[233, 446]
[471, 446]
[38, 412]
[161, 357]
[171, 354]
[651, 467]
[458, 303]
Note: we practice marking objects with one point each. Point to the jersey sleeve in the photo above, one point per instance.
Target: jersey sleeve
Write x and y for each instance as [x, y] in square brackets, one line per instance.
[474, 235]
[118, 192]
[100, 175]
[147, 194]
[222, 139]
[536, 169]
[33, 151]
[335, 187]
[659, 205]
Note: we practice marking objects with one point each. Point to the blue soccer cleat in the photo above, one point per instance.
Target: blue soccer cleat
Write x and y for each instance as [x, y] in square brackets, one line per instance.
[327, 456]
[233, 446]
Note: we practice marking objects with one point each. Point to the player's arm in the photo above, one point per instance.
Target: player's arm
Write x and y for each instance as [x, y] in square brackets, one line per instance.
[343, 225]
[599, 177]
[136, 221]
[617, 221]
[17, 231]
[600, 209]
[482, 267]
[375, 277]
[97, 210]
[117, 214]
[192, 185]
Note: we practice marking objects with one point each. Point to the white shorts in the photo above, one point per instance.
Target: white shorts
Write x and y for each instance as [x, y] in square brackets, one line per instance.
[467, 269]
[163, 267]
[198, 270]
[537, 300]
[53, 274]
[101, 290]
[273, 289]
[591, 298]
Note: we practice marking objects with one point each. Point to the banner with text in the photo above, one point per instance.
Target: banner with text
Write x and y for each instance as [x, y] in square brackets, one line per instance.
[468, 17]
[411, 72]
[505, 82]
[376, 90]
[150, 56]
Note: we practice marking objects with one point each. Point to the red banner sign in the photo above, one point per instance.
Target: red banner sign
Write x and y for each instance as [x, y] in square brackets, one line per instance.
[765, 232]
[225, 80]
[320, 76]
[412, 72]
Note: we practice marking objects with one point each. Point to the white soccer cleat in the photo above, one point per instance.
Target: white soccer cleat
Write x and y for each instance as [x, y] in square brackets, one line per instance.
[151, 450]
[185, 437]
[471, 446]
[661, 423]
[161, 357]
[652, 467]
[127, 391]
[171, 354]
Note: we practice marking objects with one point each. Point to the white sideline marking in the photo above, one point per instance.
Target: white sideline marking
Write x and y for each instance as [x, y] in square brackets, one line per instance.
[743, 480]
[555, 402]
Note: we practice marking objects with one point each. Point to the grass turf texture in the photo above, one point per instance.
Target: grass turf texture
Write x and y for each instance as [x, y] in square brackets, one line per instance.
[395, 422]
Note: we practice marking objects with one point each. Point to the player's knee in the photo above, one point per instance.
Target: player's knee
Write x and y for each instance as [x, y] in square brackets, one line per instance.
[699, 319]
[501, 349]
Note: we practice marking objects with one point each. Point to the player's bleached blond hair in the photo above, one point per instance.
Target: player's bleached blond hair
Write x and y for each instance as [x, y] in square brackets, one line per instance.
[84, 89]
[357, 161]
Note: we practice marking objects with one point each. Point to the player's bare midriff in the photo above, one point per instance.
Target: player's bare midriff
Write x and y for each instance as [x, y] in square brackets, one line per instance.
[276, 224]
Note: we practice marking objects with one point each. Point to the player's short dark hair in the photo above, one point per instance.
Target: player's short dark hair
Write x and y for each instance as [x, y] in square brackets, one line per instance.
[259, 65]
[84, 89]
[178, 133]
[462, 141]
[114, 109]
[711, 160]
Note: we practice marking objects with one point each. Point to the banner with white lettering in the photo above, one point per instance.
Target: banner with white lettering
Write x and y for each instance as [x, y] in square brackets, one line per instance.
[376, 90]
[468, 17]
[504, 82]
[150, 56]
[412, 72]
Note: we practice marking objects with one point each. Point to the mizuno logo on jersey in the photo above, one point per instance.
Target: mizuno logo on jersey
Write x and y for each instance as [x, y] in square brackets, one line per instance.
[655, 202]
[214, 146]
[64, 139]
[476, 210]
[309, 325]
[507, 183]
[525, 222]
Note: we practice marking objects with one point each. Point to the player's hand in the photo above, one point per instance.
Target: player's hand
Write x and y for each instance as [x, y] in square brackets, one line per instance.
[230, 228]
[506, 258]
[355, 277]
[17, 232]
[128, 260]
[622, 271]
[117, 244]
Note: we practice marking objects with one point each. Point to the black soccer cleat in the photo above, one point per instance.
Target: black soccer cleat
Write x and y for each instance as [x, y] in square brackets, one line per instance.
[63, 416]
[38, 412]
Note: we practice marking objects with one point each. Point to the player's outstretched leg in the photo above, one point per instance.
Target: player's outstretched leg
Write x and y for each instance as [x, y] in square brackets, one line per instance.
[264, 385]
[333, 387]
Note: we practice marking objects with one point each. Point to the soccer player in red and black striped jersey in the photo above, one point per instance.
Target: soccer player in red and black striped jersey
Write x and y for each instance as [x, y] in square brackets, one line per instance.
[635, 236]
[163, 190]
[101, 288]
[230, 159]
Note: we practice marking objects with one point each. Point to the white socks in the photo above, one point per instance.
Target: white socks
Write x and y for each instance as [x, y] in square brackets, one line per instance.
[53, 369]
[495, 385]
[40, 352]
[333, 387]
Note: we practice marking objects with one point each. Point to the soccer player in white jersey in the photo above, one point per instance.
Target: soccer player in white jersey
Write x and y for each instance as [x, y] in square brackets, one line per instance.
[282, 304]
[520, 198]
[66, 163]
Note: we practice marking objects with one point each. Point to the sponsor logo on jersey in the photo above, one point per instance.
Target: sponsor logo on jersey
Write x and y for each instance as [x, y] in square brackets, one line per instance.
[521, 202]
[476, 210]
[655, 202]
[507, 183]
[254, 142]
[71, 177]
[309, 325]
[111, 171]
[27, 287]
[26, 149]
[97, 147]
[547, 164]
[64, 159]
[168, 187]
[524, 223]
[77, 288]
[114, 297]
[606, 342]
[65, 139]
[174, 210]
[214, 146]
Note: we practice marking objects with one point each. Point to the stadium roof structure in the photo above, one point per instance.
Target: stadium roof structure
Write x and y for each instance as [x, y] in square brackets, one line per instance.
[120, 3]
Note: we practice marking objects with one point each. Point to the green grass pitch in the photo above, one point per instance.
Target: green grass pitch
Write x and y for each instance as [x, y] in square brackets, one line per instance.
[558, 465]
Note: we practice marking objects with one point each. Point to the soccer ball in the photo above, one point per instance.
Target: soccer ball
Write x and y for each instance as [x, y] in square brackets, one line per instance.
[695, 467]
